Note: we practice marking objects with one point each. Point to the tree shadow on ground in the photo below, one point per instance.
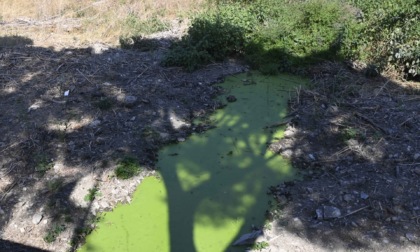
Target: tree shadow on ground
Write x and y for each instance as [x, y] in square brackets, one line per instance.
[222, 175]
[8, 41]
[68, 116]
[122, 103]
[356, 140]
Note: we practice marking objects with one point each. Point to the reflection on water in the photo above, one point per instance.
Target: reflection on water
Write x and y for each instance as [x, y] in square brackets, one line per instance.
[214, 190]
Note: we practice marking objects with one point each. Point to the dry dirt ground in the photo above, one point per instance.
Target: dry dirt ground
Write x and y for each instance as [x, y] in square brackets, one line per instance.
[68, 116]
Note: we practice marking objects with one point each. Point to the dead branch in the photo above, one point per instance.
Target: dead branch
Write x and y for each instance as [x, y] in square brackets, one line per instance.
[355, 211]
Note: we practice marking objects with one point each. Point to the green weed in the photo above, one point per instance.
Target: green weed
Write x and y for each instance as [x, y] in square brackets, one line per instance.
[43, 163]
[352, 133]
[92, 194]
[260, 246]
[281, 35]
[127, 168]
[54, 232]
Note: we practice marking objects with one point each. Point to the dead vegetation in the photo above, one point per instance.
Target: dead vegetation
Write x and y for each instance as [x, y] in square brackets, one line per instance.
[69, 23]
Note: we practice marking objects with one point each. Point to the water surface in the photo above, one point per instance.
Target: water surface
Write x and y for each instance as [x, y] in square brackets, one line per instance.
[211, 188]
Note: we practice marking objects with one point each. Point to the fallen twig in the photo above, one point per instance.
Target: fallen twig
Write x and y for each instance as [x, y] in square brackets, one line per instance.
[355, 211]
[8, 190]
[138, 76]
[382, 88]
[10, 146]
[84, 76]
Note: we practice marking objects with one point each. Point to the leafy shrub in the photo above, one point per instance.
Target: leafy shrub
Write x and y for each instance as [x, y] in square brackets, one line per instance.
[54, 232]
[388, 35]
[43, 163]
[282, 34]
[298, 33]
[127, 168]
[212, 37]
[92, 194]
[266, 32]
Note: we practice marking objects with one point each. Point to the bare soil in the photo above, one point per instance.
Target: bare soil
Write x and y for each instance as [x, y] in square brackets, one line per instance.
[67, 117]
[356, 142]
[55, 148]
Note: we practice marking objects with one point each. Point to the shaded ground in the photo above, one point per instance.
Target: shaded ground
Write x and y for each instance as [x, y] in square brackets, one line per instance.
[55, 148]
[357, 144]
[356, 141]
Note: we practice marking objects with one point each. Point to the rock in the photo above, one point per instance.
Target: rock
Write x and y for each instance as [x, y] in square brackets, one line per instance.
[231, 98]
[104, 205]
[312, 157]
[348, 197]
[328, 212]
[100, 140]
[364, 195]
[98, 48]
[290, 132]
[1, 211]
[416, 156]
[177, 122]
[417, 171]
[410, 236]
[128, 101]
[248, 238]
[36, 219]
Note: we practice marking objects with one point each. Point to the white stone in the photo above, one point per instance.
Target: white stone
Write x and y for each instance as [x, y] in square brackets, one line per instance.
[36, 219]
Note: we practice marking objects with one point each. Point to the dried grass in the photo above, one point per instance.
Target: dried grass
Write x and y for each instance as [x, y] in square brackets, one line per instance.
[74, 23]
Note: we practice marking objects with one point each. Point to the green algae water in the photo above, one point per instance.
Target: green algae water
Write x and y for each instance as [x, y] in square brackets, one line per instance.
[211, 188]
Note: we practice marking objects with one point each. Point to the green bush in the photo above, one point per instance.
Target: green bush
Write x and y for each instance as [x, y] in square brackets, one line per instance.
[388, 35]
[281, 35]
[212, 37]
[297, 34]
[266, 32]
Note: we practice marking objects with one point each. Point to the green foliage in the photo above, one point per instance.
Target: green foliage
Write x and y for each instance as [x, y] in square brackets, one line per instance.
[280, 35]
[127, 168]
[297, 34]
[272, 35]
[260, 245]
[212, 37]
[43, 163]
[53, 233]
[388, 35]
[93, 193]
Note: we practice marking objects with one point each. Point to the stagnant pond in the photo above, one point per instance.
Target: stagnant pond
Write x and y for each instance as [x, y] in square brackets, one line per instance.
[211, 188]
